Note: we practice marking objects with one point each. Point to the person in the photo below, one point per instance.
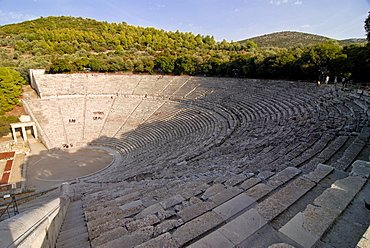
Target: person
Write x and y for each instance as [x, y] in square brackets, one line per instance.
[335, 82]
[327, 80]
[343, 82]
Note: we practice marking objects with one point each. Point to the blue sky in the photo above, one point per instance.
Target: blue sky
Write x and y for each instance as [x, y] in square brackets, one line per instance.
[232, 20]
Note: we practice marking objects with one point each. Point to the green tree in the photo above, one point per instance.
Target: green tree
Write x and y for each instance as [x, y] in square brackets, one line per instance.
[10, 88]
[367, 27]
[4, 124]
[60, 65]
[185, 65]
[164, 63]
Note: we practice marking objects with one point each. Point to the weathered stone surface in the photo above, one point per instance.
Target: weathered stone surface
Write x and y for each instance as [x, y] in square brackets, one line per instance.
[196, 227]
[127, 241]
[225, 195]
[281, 200]
[259, 191]
[147, 221]
[319, 173]
[295, 230]
[176, 199]
[281, 245]
[164, 214]
[155, 208]
[361, 168]
[195, 210]
[243, 226]
[270, 208]
[131, 208]
[98, 226]
[214, 240]
[107, 236]
[340, 194]
[285, 175]
[164, 240]
[212, 191]
[234, 206]
[166, 226]
[250, 183]
[265, 174]
[235, 180]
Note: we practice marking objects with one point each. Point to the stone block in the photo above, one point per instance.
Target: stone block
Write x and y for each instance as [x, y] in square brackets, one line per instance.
[361, 168]
[214, 240]
[340, 194]
[149, 220]
[166, 226]
[295, 230]
[164, 240]
[235, 180]
[250, 183]
[259, 191]
[196, 227]
[270, 208]
[212, 191]
[234, 206]
[155, 208]
[127, 241]
[243, 226]
[195, 210]
[285, 175]
[131, 208]
[107, 236]
[319, 173]
[98, 226]
[265, 174]
[225, 195]
[293, 191]
[172, 201]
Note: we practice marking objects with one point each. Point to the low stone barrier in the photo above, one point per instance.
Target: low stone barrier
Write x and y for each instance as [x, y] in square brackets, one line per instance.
[35, 228]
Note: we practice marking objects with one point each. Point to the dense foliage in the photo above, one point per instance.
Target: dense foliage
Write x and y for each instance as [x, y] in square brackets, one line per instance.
[10, 88]
[367, 27]
[5, 124]
[288, 39]
[69, 44]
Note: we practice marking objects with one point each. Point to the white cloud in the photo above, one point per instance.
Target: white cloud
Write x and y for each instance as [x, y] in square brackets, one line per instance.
[306, 26]
[13, 17]
[279, 2]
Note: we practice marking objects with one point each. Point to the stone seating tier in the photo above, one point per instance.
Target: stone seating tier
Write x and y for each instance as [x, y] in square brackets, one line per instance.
[193, 147]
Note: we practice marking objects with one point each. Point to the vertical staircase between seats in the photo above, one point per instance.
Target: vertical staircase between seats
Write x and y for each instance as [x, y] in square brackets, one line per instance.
[74, 232]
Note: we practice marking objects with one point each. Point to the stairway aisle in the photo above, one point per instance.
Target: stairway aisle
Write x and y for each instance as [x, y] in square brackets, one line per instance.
[74, 232]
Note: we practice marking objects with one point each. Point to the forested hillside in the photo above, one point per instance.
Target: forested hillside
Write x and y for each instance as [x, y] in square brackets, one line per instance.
[288, 39]
[70, 44]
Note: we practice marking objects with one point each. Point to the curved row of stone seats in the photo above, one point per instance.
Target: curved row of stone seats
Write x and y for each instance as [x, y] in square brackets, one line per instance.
[249, 127]
[94, 119]
[56, 85]
[181, 124]
[209, 210]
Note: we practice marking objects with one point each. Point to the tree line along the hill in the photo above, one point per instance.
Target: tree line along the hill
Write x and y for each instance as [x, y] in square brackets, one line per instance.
[69, 44]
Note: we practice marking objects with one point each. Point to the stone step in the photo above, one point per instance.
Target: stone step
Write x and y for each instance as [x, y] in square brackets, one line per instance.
[307, 227]
[247, 210]
[73, 232]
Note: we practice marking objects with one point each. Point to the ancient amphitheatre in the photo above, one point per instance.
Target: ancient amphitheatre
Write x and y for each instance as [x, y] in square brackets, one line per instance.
[207, 162]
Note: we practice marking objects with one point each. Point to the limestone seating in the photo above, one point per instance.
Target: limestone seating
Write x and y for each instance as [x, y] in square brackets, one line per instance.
[216, 133]
[307, 227]
[217, 201]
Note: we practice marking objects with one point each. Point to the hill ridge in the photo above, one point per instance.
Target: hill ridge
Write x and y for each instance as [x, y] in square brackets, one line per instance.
[285, 39]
